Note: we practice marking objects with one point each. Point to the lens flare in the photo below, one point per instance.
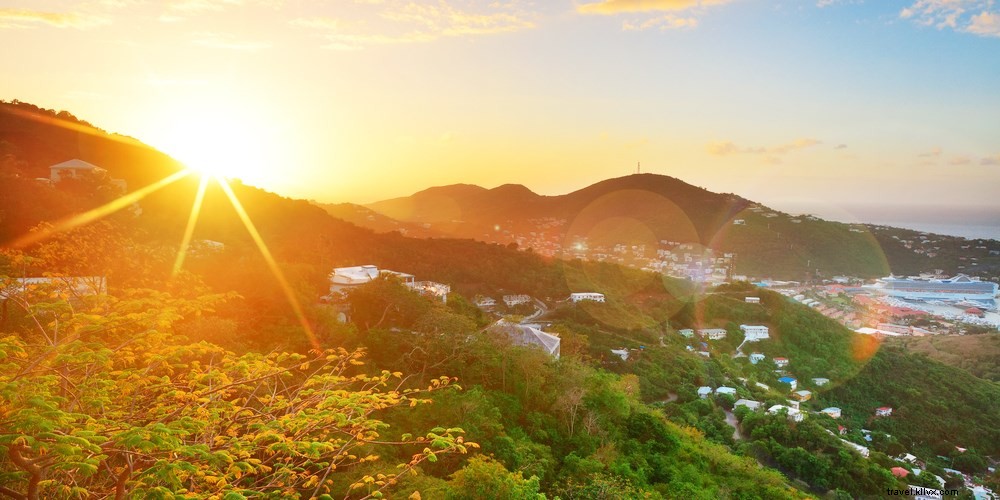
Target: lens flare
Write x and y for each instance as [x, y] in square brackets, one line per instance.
[618, 227]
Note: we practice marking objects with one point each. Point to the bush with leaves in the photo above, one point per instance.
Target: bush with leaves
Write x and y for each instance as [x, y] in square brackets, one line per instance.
[104, 400]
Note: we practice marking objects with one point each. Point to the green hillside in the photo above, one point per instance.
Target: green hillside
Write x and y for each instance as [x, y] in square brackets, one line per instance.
[935, 407]
[977, 354]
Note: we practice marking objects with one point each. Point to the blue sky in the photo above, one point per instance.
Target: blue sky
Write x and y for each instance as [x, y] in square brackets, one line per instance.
[828, 104]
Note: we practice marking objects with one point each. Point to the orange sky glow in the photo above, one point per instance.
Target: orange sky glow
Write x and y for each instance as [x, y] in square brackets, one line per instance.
[822, 104]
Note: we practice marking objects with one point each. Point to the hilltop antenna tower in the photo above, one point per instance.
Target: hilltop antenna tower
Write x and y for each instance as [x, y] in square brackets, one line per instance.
[638, 167]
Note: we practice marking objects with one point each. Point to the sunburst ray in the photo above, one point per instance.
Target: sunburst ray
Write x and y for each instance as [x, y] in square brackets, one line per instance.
[286, 288]
[102, 211]
[189, 229]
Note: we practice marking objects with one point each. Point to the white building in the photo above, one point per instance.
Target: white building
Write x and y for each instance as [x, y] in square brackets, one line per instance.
[726, 390]
[820, 381]
[713, 333]
[754, 333]
[343, 279]
[753, 405]
[781, 362]
[78, 169]
[486, 302]
[856, 447]
[832, 411]
[686, 333]
[793, 414]
[621, 353]
[752, 300]
[73, 169]
[514, 300]
[704, 391]
[431, 288]
[530, 335]
[591, 296]
[883, 411]
[802, 395]
[757, 357]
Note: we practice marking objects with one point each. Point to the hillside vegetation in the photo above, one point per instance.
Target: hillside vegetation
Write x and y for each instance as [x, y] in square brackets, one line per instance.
[977, 354]
[935, 407]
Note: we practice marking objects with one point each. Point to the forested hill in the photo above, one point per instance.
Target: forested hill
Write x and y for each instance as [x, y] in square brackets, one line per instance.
[669, 207]
[935, 407]
[647, 209]
[34, 138]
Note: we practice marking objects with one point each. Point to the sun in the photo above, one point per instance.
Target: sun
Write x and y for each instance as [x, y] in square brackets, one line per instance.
[219, 138]
[220, 147]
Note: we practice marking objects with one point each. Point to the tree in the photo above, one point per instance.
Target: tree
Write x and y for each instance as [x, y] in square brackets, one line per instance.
[485, 479]
[112, 404]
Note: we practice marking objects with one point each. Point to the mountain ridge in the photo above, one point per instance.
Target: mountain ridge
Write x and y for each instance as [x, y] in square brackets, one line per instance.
[658, 212]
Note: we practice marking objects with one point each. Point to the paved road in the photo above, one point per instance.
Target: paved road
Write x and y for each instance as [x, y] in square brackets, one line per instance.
[540, 309]
[735, 424]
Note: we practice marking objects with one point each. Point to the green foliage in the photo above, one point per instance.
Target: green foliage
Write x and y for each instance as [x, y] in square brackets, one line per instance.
[113, 403]
[486, 479]
[977, 354]
[926, 396]
[810, 453]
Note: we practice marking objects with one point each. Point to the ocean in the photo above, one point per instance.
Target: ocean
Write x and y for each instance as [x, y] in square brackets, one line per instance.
[970, 231]
[964, 222]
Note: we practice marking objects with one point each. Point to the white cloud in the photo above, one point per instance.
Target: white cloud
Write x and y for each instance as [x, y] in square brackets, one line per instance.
[985, 24]
[666, 22]
[771, 154]
[26, 18]
[622, 6]
[400, 22]
[970, 16]
[194, 6]
[679, 13]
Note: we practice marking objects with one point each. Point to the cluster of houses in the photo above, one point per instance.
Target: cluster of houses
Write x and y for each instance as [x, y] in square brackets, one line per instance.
[516, 300]
[513, 300]
[586, 297]
[751, 333]
[681, 260]
[343, 279]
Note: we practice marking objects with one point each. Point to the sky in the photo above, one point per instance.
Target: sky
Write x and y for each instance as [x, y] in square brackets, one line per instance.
[829, 106]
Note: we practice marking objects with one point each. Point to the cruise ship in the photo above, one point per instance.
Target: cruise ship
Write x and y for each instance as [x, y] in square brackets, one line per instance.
[954, 289]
